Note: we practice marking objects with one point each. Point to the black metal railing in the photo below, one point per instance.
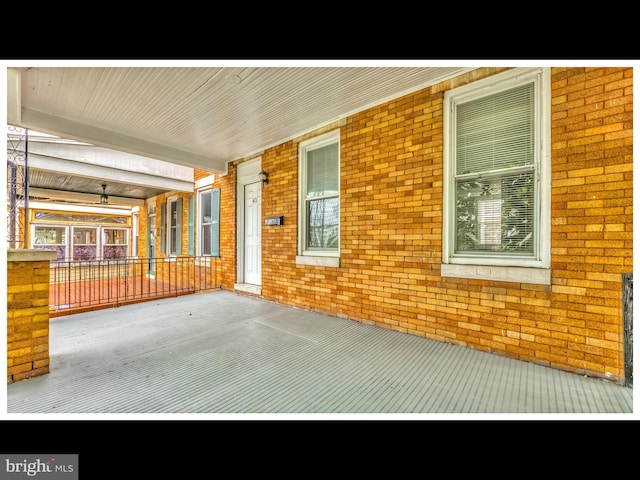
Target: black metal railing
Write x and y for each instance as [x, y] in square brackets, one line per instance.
[627, 314]
[81, 284]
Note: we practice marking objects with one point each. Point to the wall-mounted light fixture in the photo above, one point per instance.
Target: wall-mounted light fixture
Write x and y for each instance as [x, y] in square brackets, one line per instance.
[264, 176]
[104, 198]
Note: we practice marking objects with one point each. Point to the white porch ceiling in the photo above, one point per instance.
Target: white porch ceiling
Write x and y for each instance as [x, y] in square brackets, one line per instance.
[201, 116]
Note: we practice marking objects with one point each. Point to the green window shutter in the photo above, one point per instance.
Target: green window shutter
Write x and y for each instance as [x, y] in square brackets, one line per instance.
[215, 222]
[179, 225]
[191, 226]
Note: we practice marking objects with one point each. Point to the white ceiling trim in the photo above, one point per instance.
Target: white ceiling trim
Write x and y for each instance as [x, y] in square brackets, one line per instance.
[99, 172]
[104, 138]
[84, 198]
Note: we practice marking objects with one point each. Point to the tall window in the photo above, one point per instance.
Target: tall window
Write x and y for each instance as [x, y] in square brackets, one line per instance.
[209, 219]
[319, 195]
[496, 202]
[174, 225]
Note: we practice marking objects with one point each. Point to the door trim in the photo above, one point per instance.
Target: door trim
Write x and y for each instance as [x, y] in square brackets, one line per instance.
[247, 173]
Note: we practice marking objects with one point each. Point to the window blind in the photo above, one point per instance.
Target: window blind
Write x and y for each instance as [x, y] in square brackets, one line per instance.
[495, 173]
[322, 171]
[496, 131]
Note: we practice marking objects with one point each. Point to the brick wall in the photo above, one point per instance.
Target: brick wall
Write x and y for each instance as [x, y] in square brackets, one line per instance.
[143, 231]
[200, 174]
[391, 230]
[27, 313]
[592, 217]
[227, 263]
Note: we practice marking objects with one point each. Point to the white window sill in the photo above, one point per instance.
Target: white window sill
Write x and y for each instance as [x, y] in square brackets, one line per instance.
[540, 276]
[318, 261]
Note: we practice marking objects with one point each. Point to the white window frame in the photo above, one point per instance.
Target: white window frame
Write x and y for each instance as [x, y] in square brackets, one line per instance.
[200, 224]
[103, 241]
[320, 257]
[534, 269]
[96, 245]
[67, 232]
[179, 220]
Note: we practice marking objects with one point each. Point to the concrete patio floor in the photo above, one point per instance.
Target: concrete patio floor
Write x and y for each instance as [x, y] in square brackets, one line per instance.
[223, 354]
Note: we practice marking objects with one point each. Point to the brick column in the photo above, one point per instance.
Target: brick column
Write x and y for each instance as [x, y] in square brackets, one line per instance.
[27, 313]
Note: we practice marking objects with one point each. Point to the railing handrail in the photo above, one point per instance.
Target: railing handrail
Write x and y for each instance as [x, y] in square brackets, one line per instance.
[111, 282]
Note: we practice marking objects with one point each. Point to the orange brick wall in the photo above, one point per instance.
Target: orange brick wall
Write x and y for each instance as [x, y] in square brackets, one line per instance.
[27, 314]
[283, 280]
[227, 261]
[592, 217]
[391, 230]
[143, 228]
[200, 174]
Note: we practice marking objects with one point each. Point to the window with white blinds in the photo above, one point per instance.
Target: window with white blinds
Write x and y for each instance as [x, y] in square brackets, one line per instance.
[494, 197]
[495, 188]
[320, 201]
[322, 206]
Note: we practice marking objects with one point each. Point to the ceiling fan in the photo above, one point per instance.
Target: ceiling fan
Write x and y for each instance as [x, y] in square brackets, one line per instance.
[104, 198]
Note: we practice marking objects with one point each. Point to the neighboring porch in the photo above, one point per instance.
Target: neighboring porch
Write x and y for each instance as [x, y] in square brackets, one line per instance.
[92, 284]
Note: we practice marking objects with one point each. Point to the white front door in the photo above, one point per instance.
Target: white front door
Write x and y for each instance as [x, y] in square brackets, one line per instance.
[252, 233]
